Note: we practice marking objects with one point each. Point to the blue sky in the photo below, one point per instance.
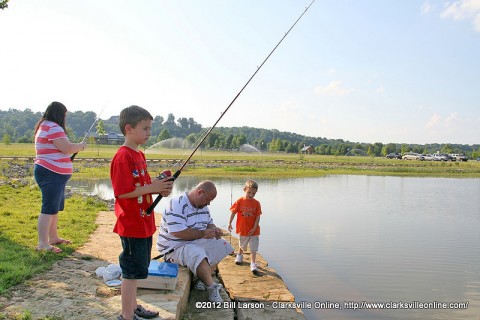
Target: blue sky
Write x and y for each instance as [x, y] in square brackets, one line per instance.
[359, 70]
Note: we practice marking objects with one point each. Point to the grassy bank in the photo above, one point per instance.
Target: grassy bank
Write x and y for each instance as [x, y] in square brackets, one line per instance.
[94, 163]
[20, 202]
[19, 209]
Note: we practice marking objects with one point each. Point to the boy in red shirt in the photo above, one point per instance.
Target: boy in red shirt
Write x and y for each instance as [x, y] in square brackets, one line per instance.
[133, 189]
[247, 227]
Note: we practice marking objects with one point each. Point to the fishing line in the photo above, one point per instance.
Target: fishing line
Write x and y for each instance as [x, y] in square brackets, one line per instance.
[86, 134]
[201, 137]
[179, 171]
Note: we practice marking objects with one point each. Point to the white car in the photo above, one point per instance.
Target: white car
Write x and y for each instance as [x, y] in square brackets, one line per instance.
[439, 157]
[412, 156]
[427, 157]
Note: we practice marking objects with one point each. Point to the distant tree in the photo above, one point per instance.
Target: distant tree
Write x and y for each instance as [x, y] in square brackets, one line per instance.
[191, 138]
[101, 128]
[389, 148]
[370, 151]
[25, 139]
[71, 134]
[183, 123]
[157, 125]
[100, 132]
[239, 140]
[377, 149]
[194, 126]
[447, 149]
[290, 148]
[229, 142]
[7, 139]
[3, 4]
[164, 135]
[170, 120]
[275, 145]
[212, 138]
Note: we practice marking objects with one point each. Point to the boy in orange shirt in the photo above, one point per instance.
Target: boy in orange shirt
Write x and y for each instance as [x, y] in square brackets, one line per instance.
[247, 226]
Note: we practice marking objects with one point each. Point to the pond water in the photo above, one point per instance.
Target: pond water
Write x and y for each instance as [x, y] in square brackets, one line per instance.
[349, 240]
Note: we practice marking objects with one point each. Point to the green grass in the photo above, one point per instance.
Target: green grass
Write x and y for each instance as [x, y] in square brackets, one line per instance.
[212, 163]
[19, 209]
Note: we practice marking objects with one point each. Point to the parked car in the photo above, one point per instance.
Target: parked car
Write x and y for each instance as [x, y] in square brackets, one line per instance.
[458, 157]
[412, 156]
[439, 157]
[427, 157]
[394, 156]
[449, 157]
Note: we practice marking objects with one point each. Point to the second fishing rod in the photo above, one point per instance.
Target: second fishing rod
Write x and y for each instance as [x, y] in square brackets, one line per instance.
[179, 171]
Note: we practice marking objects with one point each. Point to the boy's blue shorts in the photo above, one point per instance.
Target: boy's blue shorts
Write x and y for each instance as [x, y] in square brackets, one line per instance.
[135, 257]
[52, 185]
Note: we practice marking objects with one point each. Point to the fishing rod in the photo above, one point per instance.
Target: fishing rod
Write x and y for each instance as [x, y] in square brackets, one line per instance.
[179, 171]
[86, 134]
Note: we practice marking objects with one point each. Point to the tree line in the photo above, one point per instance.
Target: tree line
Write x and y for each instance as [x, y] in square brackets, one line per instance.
[18, 126]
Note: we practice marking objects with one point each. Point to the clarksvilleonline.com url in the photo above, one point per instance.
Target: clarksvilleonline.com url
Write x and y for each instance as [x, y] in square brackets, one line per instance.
[392, 305]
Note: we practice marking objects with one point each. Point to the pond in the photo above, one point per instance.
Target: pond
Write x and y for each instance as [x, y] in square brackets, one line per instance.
[410, 243]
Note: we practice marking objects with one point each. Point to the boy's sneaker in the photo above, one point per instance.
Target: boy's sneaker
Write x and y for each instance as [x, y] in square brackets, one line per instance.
[239, 259]
[253, 268]
[143, 313]
[214, 293]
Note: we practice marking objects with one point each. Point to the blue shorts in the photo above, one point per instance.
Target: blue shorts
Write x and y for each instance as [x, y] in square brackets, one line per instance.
[52, 185]
[135, 257]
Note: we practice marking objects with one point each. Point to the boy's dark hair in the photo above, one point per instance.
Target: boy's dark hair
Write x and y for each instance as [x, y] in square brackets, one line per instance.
[55, 112]
[132, 116]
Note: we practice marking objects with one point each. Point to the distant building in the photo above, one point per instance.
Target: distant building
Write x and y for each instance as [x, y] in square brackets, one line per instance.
[109, 138]
[308, 150]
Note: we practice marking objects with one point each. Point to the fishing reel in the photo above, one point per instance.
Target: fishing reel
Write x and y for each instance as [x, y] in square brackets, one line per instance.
[164, 174]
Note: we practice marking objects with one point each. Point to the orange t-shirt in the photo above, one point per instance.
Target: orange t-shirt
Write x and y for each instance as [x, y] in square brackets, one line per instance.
[247, 211]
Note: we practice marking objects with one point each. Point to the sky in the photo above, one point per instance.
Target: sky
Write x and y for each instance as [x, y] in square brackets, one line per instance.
[358, 70]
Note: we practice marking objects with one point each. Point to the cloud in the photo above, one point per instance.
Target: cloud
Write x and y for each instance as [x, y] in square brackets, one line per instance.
[332, 71]
[451, 120]
[334, 88]
[463, 10]
[427, 7]
[438, 121]
[434, 121]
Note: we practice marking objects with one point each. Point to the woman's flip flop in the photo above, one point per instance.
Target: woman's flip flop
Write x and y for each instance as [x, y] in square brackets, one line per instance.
[51, 249]
[61, 241]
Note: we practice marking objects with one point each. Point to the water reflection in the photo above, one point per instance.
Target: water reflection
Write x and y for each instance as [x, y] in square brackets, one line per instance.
[363, 238]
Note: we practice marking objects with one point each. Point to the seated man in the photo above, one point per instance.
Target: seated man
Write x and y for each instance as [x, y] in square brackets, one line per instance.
[189, 238]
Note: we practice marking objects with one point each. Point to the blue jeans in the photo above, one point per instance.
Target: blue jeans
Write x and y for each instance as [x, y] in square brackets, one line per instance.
[52, 185]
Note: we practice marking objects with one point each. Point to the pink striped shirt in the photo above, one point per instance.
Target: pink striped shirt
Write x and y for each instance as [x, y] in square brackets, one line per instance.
[48, 155]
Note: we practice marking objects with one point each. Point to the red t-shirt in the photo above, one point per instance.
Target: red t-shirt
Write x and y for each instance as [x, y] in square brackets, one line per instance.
[247, 211]
[128, 171]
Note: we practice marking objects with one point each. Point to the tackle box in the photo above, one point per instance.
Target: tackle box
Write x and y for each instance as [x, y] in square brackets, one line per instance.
[161, 275]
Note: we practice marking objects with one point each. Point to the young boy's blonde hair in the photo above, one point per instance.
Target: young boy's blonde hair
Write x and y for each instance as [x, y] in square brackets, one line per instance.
[250, 184]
